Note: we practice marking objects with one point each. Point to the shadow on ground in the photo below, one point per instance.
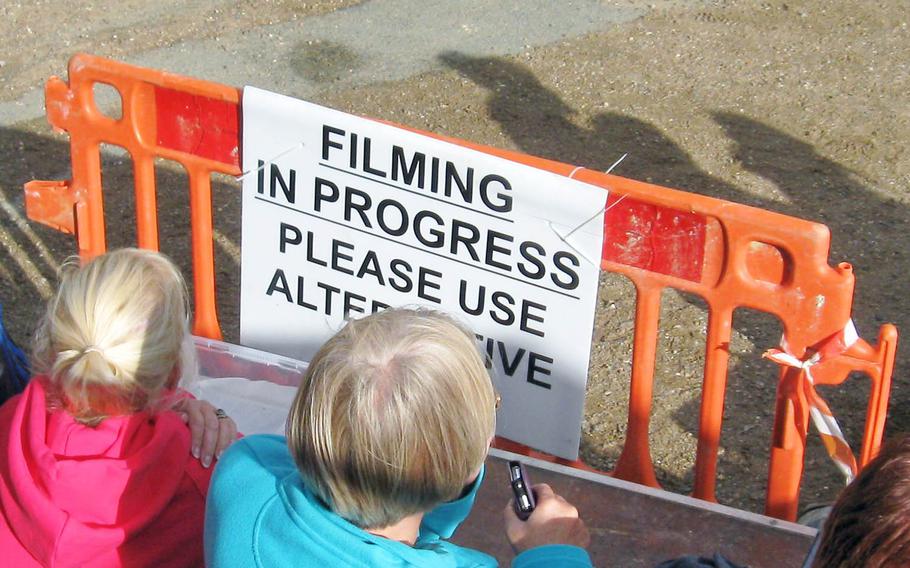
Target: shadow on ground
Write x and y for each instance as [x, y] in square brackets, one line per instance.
[30, 252]
[869, 230]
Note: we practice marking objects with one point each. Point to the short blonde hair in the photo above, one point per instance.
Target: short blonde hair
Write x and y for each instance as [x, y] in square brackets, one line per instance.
[114, 334]
[394, 414]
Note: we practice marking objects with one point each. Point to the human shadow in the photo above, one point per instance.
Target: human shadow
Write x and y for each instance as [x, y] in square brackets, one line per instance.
[538, 121]
[868, 230]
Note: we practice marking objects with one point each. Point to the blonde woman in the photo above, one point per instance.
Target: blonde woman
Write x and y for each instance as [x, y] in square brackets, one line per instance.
[384, 454]
[98, 465]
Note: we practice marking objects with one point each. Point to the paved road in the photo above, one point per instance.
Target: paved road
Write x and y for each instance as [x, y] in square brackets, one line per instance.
[366, 43]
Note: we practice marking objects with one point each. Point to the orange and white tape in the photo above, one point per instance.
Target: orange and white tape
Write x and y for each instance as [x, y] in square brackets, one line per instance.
[824, 421]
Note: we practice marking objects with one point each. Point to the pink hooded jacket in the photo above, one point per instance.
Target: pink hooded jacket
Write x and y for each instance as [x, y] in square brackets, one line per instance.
[124, 493]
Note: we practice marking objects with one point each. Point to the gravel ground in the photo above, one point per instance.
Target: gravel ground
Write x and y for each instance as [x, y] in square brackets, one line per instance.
[796, 107]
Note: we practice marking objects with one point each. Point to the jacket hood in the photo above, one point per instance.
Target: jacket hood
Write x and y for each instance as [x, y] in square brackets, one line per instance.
[69, 491]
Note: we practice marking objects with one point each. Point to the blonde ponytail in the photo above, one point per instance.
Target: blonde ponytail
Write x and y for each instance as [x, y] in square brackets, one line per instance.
[114, 334]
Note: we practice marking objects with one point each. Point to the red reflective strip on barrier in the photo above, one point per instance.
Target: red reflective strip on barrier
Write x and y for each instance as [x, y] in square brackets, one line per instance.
[204, 127]
[660, 239]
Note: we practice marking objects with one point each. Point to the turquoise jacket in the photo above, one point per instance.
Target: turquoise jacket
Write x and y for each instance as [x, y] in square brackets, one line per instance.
[260, 513]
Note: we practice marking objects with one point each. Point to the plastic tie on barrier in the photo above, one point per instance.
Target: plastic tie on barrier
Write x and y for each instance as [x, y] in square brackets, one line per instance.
[829, 430]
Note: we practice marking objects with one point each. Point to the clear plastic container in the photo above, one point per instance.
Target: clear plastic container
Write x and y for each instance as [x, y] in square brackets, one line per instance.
[255, 388]
[220, 359]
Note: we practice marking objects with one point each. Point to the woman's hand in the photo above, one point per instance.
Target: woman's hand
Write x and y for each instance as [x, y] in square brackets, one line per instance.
[210, 433]
[554, 521]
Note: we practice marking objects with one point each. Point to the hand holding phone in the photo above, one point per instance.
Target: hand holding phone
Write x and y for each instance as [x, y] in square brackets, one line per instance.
[521, 487]
[555, 520]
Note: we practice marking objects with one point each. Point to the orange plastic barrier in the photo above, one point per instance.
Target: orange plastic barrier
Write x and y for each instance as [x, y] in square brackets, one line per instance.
[731, 255]
[194, 123]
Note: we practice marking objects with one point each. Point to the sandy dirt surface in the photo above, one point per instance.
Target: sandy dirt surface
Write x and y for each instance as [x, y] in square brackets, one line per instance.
[799, 107]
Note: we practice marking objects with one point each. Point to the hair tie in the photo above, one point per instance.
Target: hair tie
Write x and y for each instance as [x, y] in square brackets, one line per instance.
[92, 348]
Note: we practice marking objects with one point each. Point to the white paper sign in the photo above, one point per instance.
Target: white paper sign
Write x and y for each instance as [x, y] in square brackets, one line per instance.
[343, 216]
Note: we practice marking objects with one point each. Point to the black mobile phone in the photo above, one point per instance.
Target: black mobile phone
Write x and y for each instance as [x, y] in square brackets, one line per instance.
[521, 487]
